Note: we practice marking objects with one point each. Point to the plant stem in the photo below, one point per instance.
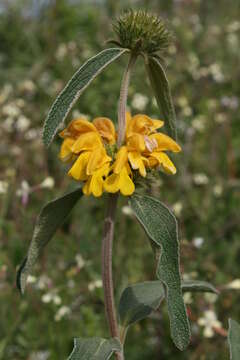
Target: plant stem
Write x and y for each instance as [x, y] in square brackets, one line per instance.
[123, 100]
[107, 244]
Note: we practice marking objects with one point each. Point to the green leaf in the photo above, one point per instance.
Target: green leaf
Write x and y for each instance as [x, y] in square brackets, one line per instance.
[139, 300]
[161, 227]
[49, 220]
[198, 286]
[162, 93]
[94, 349]
[234, 339]
[74, 88]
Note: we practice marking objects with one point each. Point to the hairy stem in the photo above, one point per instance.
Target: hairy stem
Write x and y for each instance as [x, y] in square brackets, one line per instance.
[123, 100]
[107, 244]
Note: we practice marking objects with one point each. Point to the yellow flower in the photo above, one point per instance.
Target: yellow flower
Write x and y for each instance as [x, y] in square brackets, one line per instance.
[85, 144]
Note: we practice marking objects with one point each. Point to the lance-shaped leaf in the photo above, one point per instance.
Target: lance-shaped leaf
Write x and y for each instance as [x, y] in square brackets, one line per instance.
[162, 93]
[49, 220]
[161, 227]
[198, 286]
[139, 300]
[234, 339]
[94, 349]
[74, 88]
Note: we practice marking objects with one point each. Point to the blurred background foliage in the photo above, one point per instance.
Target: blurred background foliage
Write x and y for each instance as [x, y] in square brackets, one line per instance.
[42, 43]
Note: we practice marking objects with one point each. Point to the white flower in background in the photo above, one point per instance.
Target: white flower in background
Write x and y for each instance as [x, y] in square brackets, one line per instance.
[51, 297]
[216, 72]
[95, 285]
[198, 241]
[127, 210]
[80, 261]
[40, 355]
[200, 179]
[187, 111]
[24, 189]
[3, 187]
[234, 285]
[20, 102]
[234, 26]
[63, 311]
[8, 124]
[48, 183]
[11, 110]
[210, 297]
[187, 297]
[32, 134]
[217, 190]
[62, 51]
[28, 86]
[182, 101]
[43, 282]
[199, 123]
[31, 279]
[22, 123]
[209, 321]
[47, 298]
[6, 91]
[220, 118]
[177, 208]
[139, 101]
[230, 102]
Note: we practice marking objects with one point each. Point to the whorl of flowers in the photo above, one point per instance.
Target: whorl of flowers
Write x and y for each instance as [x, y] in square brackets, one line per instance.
[91, 149]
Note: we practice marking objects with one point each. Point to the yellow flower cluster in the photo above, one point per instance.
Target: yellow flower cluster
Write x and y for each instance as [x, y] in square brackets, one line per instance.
[91, 147]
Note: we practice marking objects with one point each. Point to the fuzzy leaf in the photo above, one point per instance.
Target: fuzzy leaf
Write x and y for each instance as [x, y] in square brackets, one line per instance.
[198, 286]
[139, 300]
[74, 88]
[234, 339]
[49, 220]
[162, 93]
[161, 227]
[94, 349]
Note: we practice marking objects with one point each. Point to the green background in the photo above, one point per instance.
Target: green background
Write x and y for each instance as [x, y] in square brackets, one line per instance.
[42, 43]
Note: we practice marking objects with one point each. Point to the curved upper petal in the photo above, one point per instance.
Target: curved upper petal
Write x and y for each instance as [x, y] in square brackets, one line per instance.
[106, 129]
[87, 141]
[77, 127]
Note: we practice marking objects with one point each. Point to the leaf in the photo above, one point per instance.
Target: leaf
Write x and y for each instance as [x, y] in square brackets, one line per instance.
[49, 220]
[198, 286]
[161, 227]
[139, 300]
[162, 93]
[74, 88]
[94, 349]
[234, 339]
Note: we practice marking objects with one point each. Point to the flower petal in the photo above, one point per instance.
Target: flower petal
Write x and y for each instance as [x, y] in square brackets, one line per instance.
[88, 141]
[165, 162]
[165, 142]
[78, 127]
[97, 159]
[136, 161]
[106, 129]
[136, 142]
[126, 185]
[65, 151]
[78, 170]
[157, 124]
[111, 184]
[121, 159]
